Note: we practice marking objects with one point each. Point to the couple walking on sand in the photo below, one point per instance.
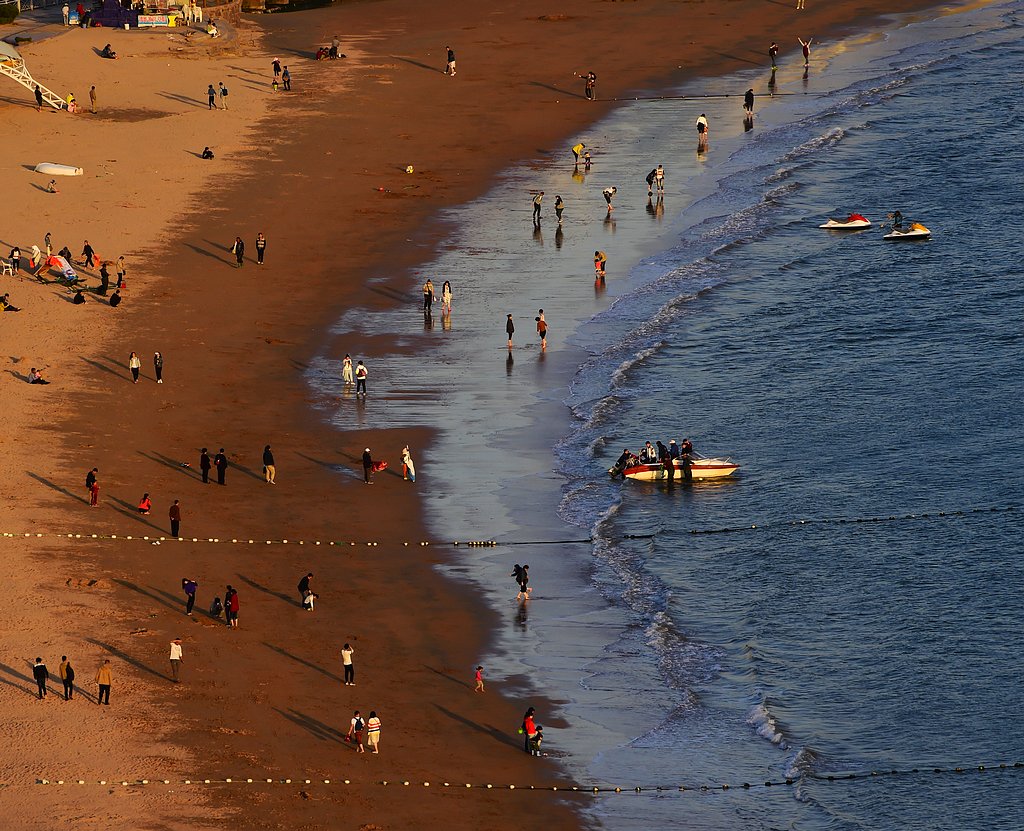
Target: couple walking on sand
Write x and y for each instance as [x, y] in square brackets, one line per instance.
[372, 727]
[238, 249]
[358, 376]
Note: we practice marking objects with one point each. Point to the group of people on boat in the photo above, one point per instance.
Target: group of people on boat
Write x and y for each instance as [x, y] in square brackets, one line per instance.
[681, 452]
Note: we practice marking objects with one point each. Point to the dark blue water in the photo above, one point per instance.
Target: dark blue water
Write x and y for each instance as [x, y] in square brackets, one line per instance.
[851, 377]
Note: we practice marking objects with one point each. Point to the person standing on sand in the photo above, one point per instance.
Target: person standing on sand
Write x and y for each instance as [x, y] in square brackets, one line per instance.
[65, 11]
[94, 494]
[367, 466]
[276, 64]
[158, 367]
[373, 728]
[261, 247]
[559, 207]
[41, 674]
[269, 470]
[361, 373]
[286, 79]
[542, 330]
[590, 86]
[67, 676]
[529, 728]
[48, 243]
[238, 249]
[510, 330]
[211, 95]
[88, 252]
[446, 298]
[346, 661]
[90, 479]
[176, 657]
[223, 95]
[174, 514]
[220, 461]
[39, 99]
[122, 272]
[190, 587]
[205, 465]
[92, 99]
[408, 468]
[773, 53]
[450, 68]
[806, 47]
[355, 731]
[104, 677]
[537, 199]
[479, 679]
[748, 102]
[135, 365]
[346, 371]
[231, 606]
[702, 131]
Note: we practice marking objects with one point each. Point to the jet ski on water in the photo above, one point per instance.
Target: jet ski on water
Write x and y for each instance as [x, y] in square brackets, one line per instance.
[915, 230]
[853, 222]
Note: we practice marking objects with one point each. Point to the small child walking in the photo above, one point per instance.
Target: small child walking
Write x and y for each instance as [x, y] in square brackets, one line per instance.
[479, 678]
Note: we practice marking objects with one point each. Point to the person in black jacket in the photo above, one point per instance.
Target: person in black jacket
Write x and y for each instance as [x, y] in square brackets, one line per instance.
[205, 465]
[67, 675]
[269, 471]
[261, 246]
[238, 249]
[220, 461]
[41, 674]
[367, 466]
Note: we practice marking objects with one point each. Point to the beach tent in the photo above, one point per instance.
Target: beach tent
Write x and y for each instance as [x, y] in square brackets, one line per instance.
[13, 66]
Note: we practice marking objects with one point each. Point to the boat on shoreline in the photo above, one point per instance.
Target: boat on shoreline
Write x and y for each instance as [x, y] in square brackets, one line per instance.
[701, 469]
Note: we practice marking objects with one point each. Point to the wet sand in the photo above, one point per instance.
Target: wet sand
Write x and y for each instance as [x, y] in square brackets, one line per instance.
[265, 700]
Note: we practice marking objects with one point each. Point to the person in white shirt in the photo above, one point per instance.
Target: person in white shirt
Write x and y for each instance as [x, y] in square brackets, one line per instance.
[350, 671]
[176, 659]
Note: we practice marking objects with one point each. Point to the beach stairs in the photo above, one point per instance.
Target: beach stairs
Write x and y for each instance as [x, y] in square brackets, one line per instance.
[13, 66]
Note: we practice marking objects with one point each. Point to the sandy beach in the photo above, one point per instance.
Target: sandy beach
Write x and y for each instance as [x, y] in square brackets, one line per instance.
[320, 171]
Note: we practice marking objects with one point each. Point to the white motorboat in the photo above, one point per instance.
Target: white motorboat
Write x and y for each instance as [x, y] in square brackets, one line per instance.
[854, 222]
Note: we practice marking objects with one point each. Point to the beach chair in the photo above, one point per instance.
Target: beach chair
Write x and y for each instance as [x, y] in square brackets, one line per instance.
[6, 267]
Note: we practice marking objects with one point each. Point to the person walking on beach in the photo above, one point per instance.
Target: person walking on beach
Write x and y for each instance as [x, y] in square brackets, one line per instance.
[346, 661]
[373, 730]
[92, 99]
[355, 731]
[269, 470]
[67, 676]
[346, 371]
[450, 68]
[542, 330]
[367, 466]
[135, 365]
[204, 465]
[659, 180]
[559, 207]
[773, 53]
[122, 272]
[305, 586]
[174, 515]
[522, 578]
[361, 373]
[408, 468]
[158, 366]
[211, 95]
[478, 679]
[42, 675]
[286, 79]
[805, 47]
[220, 461]
[748, 102]
[428, 296]
[16, 260]
[446, 298]
[39, 98]
[537, 199]
[238, 249]
[104, 677]
[176, 657]
[510, 330]
[231, 606]
[190, 587]
[276, 64]
[261, 247]
[702, 131]
[223, 95]
[88, 252]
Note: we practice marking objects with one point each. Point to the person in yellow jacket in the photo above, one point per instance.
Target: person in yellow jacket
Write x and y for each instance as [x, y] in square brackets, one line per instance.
[104, 676]
[577, 151]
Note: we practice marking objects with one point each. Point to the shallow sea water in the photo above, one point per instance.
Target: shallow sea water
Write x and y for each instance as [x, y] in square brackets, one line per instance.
[851, 377]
